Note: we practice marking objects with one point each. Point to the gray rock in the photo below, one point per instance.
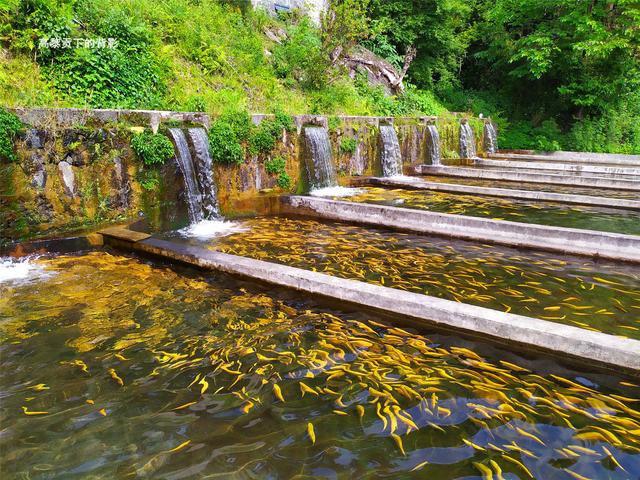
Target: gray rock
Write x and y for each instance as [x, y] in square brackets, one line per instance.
[68, 178]
[39, 179]
[35, 138]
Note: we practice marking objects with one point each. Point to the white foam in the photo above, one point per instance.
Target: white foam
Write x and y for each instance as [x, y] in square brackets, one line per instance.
[13, 270]
[210, 229]
[336, 192]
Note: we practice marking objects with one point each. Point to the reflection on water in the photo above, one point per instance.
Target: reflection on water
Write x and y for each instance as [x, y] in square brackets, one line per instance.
[114, 368]
[543, 213]
[597, 295]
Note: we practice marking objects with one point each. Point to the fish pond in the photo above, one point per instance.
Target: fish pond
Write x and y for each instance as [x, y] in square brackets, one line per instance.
[118, 368]
[577, 291]
[523, 211]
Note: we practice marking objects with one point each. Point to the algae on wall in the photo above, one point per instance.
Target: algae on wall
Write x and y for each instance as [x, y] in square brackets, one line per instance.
[67, 180]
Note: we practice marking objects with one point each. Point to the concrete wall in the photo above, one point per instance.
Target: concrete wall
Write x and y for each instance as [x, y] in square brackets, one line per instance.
[76, 169]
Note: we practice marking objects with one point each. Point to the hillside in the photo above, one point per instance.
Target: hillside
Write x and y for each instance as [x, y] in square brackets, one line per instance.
[572, 89]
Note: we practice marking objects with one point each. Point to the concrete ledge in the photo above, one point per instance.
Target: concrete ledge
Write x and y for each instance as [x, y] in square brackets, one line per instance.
[515, 176]
[563, 340]
[541, 237]
[562, 156]
[560, 166]
[413, 183]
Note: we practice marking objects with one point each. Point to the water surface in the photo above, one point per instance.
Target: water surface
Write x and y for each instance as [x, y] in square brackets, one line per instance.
[116, 368]
[497, 208]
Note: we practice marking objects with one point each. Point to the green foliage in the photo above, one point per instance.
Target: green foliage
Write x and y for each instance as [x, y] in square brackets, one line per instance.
[263, 138]
[275, 166]
[149, 179]
[348, 145]
[284, 181]
[152, 149]
[10, 126]
[523, 135]
[224, 143]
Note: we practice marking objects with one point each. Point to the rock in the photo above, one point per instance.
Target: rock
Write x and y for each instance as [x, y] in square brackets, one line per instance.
[68, 178]
[120, 185]
[39, 179]
[35, 138]
[379, 72]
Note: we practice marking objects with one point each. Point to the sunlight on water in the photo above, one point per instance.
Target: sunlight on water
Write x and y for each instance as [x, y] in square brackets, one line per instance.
[206, 229]
[335, 192]
[116, 368]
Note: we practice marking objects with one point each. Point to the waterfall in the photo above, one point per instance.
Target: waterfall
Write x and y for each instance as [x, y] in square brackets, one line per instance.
[204, 171]
[467, 142]
[391, 157]
[185, 162]
[318, 159]
[434, 145]
[490, 138]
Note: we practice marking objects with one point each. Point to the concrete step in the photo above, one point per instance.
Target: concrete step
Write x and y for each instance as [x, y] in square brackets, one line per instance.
[530, 177]
[560, 167]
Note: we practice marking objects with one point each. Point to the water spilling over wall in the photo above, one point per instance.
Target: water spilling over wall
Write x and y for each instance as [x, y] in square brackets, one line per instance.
[390, 155]
[318, 159]
[433, 145]
[185, 162]
[467, 142]
[203, 163]
[490, 138]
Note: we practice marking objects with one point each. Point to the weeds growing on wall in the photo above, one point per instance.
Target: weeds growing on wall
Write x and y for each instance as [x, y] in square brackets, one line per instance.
[348, 145]
[277, 166]
[152, 149]
[10, 126]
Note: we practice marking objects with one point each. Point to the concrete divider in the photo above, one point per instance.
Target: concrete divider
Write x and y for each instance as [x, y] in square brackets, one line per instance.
[528, 177]
[560, 167]
[565, 240]
[580, 157]
[414, 183]
[585, 346]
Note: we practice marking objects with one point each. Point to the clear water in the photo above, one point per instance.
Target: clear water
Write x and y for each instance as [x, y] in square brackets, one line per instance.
[523, 211]
[115, 368]
[580, 292]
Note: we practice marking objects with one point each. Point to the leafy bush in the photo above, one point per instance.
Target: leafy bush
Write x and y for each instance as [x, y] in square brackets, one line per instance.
[10, 126]
[152, 149]
[275, 165]
[284, 181]
[224, 144]
[263, 138]
[348, 145]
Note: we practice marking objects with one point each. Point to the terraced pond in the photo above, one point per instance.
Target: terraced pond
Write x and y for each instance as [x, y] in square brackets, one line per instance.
[597, 295]
[116, 368]
[595, 192]
[523, 211]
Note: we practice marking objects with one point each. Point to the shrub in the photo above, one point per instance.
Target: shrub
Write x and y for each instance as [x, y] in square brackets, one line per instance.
[224, 144]
[152, 149]
[275, 166]
[284, 121]
[10, 125]
[348, 145]
[284, 181]
[263, 138]
[240, 123]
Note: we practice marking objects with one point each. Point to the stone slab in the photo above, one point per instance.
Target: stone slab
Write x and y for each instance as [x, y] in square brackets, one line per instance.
[527, 177]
